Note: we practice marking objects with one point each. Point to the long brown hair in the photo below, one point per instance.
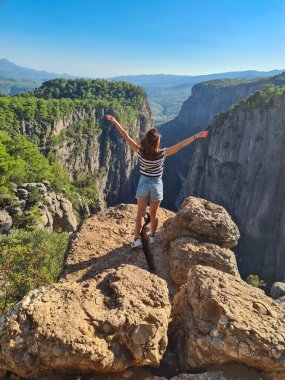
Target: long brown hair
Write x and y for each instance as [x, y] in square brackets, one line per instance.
[150, 144]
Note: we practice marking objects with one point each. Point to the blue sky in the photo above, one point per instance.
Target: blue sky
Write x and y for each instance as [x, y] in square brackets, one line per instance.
[102, 38]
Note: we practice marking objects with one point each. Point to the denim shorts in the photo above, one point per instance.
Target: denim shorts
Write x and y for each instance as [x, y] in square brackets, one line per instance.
[150, 188]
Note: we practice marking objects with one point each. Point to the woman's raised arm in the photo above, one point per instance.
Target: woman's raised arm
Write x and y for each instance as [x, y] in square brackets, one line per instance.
[175, 148]
[125, 135]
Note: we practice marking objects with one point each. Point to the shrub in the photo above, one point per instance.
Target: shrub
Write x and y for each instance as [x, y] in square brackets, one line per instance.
[255, 281]
[29, 259]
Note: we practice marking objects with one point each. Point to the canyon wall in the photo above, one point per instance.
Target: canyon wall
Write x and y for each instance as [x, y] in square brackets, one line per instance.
[207, 100]
[106, 156]
[241, 166]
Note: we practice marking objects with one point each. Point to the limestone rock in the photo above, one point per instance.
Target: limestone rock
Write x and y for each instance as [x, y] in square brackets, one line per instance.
[277, 290]
[56, 212]
[186, 252]
[22, 193]
[104, 242]
[5, 221]
[209, 221]
[280, 301]
[68, 221]
[105, 156]
[108, 323]
[173, 231]
[219, 318]
[207, 99]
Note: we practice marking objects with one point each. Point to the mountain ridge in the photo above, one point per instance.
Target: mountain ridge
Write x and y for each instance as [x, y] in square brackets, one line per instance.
[183, 79]
[8, 66]
[23, 72]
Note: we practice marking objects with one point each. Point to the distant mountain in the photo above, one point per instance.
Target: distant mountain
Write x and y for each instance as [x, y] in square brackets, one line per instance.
[11, 70]
[165, 80]
[15, 79]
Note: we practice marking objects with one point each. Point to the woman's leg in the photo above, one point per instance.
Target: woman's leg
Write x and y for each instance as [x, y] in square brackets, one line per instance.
[153, 218]
[142, 205]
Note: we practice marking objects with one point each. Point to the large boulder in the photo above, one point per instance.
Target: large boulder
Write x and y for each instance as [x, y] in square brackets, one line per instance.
[104, 324]
[186, 252]
[219, 318]
[277, 290]
[202, 219]
[173, 231]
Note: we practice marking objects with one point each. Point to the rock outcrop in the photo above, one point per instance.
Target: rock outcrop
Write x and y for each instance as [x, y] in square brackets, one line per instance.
[223, 319]
[187, 252]
[200, 233]
[277, 290]
[6, 221]
[106, 313]
[105, 324]
[103, 242]
[208, 221]
[53, 210]
[217, 317]
[240, 166]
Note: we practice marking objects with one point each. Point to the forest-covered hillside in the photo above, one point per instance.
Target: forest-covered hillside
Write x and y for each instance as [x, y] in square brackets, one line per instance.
[36, 114]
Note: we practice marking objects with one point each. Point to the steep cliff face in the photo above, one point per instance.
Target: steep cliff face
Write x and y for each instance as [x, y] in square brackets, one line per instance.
[207, 99]
[105, 155]
[241, 166]
[66, 118]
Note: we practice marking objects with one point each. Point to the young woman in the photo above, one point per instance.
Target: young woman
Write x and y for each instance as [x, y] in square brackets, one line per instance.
[150, 187]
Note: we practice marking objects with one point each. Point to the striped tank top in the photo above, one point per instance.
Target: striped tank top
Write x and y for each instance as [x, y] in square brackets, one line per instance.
[151, 168]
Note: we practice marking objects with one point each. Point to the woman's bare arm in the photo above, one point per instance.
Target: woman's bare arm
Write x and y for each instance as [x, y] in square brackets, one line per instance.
[175, 148]
[123, 133]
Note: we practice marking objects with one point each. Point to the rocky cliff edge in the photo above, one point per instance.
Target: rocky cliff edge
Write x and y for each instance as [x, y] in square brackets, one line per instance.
[169, 310]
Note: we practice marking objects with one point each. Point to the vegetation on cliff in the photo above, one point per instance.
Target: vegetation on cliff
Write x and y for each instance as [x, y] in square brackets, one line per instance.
[229, 82]
[28, 259]
[125, 98]
[260, 99]
[39, 112]
[21, 161]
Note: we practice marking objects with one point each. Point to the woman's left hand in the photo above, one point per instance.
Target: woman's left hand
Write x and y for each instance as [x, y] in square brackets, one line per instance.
[111, 119]
[202, 135]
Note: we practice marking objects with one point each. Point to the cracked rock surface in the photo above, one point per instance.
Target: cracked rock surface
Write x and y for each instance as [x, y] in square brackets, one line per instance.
[106, 313]
[219, 318]
[186, 252]
[106, 324]
[202, 219]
